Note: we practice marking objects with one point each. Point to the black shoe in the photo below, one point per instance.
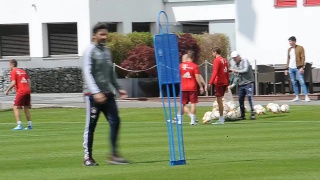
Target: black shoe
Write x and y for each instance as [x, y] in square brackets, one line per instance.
[242, 118]
[117, 160]
[90, 162]
[252, 117]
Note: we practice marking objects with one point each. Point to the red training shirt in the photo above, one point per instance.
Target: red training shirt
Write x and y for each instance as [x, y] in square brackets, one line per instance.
[21, 78]
[220, 73]
[188, 71]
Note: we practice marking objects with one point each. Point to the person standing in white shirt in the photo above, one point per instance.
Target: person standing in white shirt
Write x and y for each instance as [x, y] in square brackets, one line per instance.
[295, 67]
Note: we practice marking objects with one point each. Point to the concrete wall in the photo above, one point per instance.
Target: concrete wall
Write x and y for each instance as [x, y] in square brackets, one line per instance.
[37, 13]
[125, 12]
[262, 30]
[220, 15]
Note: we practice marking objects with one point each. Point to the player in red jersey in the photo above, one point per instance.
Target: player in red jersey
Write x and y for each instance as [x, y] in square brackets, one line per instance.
[190, 78]
[220, 79]
[20, 80]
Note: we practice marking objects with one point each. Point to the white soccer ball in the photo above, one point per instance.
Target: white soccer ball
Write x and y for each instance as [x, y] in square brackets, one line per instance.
[285, 108]
[226, 107]
[225, 113]
[275, 108]
[207, 117]
[235, 114]
[269, 106]
[231, 105]
[258, 106]
[215, 115]
[260, 110]
[230, 115]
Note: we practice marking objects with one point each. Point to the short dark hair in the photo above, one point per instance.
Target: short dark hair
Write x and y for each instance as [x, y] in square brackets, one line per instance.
[217, 50]
[190, 54]
[99, 26]
[292, 38]
[14, 62]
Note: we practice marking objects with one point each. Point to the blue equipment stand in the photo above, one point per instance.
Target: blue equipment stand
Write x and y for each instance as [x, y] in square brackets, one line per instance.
[167, 59]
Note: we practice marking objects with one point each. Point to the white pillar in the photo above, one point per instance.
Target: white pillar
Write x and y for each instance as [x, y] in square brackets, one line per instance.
[125, 27]
[38, 35]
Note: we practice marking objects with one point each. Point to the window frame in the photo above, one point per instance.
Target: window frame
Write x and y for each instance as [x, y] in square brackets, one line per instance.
[52, 29]
[27, 34]
[141, 24]
[312, 3]
[286, 3]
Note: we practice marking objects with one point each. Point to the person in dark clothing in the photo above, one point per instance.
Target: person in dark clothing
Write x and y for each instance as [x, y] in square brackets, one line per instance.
[100, 78]
[242, 71]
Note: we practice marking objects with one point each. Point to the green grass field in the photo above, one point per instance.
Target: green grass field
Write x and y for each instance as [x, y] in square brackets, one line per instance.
[275, 146]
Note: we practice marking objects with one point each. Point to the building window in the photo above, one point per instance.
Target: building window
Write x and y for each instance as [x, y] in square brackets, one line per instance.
[285, 3]
[195, 27]
[63, 39]
[112, 27]
[311, 2]
[14, 40]
[141, 27]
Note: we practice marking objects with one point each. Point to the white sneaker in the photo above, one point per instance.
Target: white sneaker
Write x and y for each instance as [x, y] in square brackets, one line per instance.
[295, 99]
[18, 127]
[307, 99]
[193, 123]
[220, 121]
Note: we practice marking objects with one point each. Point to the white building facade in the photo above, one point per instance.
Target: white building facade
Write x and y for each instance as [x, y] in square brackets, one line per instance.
[264, 26]
[54, 33]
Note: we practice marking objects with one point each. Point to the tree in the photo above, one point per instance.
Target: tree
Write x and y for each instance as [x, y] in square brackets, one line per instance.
[187, 42]
[140, 58]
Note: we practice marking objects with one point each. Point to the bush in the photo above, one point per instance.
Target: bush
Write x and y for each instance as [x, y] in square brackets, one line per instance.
[119, 45]
[141, 38]
[140, 58]
[187, 42]
[208, 41]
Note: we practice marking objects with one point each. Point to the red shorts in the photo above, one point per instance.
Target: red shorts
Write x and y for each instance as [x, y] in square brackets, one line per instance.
[189, 96]
[220, 90]
[22, 100]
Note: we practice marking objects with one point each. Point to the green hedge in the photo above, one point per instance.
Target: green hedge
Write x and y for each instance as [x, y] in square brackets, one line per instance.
[121, 44]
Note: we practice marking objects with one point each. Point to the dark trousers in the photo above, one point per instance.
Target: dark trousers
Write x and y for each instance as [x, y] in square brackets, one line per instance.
[246, 90]
[110, 111]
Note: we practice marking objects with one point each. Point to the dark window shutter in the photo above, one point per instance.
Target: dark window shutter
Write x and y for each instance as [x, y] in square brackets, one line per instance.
[14, 40]
[63, 39]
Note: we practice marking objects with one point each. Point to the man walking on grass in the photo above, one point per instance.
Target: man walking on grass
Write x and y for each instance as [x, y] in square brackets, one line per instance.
[99, 78]
[190, 78]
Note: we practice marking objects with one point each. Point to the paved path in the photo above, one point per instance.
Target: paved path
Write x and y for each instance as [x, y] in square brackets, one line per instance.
[77, 100]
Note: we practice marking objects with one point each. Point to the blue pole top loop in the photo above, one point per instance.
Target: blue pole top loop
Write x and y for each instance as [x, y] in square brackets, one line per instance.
[159, 23]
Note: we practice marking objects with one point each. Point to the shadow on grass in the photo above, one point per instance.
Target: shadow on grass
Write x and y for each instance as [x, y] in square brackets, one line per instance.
[239, 161]
[274, 116]
[159, 161]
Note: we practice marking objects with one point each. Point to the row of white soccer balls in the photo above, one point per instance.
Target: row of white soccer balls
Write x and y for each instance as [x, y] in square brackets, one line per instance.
[259, 109]
[232, 112]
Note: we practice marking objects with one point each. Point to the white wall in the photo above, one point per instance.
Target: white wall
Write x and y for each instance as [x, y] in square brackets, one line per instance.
[45, 11]
[220, 15]
[262, 30]
[200, 11]
[125, 12]
[226, 27]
